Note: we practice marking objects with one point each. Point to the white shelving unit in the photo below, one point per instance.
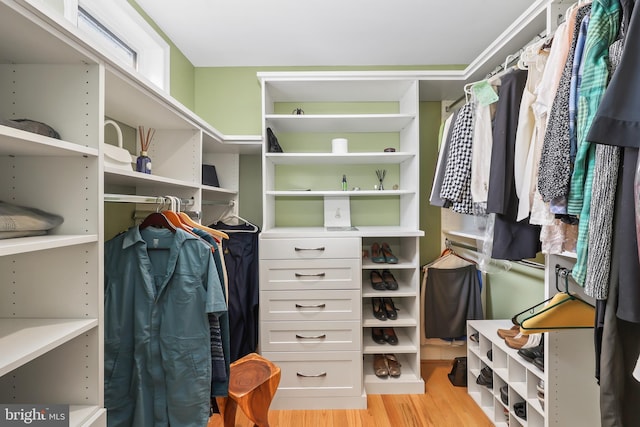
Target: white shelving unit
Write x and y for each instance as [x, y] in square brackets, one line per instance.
[571, 390]
[374, 113]
[51, 294]
[509, 369]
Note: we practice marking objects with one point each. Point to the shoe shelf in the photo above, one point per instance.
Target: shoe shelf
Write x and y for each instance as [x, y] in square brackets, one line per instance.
[406, 341]
[405, 315]
[508, 369]
[407, 382]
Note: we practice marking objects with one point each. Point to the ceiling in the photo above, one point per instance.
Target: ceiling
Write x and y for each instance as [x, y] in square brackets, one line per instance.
[229, 33]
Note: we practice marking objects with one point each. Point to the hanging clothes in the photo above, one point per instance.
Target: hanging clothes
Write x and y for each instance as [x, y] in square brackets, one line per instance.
[555, 167]
[159, 287]
[602, 32]
[451, 296]
[617, 122]
[481, 154]
[526, 155]
[456, 185]
[443, 155]
[512, 240]
[218, 327]
[241, 259]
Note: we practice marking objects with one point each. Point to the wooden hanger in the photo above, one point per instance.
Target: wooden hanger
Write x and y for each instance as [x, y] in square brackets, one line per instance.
[190, 222]
[174, 218]
[157, 219]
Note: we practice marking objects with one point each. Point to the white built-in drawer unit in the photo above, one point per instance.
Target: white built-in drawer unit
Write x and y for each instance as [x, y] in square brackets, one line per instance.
[311, 320]
[311, 248]
[312, 336]
[296, 274]
[299, 306]
[317, 375]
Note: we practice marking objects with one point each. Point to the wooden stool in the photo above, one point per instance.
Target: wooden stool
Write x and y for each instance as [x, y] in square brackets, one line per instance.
[252, 384]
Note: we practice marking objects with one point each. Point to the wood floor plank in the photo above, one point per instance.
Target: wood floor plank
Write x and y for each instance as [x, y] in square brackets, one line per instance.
[442, 405]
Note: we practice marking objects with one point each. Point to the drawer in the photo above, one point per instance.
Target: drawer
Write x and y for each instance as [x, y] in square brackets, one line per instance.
[313, 248]
[310, 336]
[310, 274]
[318, 374]
[310, 305]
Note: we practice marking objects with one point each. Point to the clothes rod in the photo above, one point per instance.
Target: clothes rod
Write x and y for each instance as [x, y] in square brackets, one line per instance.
[449, 107]
[130, 198]
[526, 263]
[218, 202]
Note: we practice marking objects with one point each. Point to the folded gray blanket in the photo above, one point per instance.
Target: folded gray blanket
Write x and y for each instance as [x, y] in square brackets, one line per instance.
[14, 218]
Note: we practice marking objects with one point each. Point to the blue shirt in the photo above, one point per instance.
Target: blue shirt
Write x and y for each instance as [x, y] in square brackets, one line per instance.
[159, 287]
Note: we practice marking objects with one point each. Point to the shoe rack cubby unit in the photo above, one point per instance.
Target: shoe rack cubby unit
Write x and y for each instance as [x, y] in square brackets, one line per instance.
[51, 292]
[406, 326]
[373, 111]
[509, 369]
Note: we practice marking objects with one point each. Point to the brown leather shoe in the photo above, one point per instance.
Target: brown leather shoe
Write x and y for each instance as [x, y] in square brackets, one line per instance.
[394, 365]
[380, 367]
[503, 333]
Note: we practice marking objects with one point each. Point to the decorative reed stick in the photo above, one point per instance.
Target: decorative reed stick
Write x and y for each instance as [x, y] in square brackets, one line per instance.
[145, 138]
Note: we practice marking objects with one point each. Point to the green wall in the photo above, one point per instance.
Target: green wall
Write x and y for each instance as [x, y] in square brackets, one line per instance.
[511, 292]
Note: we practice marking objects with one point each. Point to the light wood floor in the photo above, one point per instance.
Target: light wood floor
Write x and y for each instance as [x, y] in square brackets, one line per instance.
[442, 405]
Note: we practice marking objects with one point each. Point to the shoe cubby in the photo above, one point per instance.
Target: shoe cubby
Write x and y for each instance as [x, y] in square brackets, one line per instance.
[509, 369]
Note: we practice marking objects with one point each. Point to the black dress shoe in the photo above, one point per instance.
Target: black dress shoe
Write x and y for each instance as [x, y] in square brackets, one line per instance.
[378, 336]
[390, 309]
[520, 409]
[529, 354]
[390, 336]
[486, 377]
[539, 362]
[377, 282]
[504, 394]
[378, 309]
[390, 282]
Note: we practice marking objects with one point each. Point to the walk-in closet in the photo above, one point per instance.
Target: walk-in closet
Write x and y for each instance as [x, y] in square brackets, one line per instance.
[211, 233]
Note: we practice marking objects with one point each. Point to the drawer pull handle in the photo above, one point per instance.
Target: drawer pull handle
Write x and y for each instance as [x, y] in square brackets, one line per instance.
[311, 275]
[323, 374]
[297, 249]
[311, 306]
[317, 337]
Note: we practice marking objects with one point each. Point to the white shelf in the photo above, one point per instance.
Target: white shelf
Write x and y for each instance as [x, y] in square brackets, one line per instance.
[339, 122]
[334, 87]
[16, 142]
[22, 340]
[38, 243]
[338, 159]
[330, 193]
[84, 415]
[409, 381]
[405, 342]
[382, 231]
[121, 177]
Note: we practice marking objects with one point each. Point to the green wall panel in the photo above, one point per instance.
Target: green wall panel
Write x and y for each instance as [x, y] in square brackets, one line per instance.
[429, 215]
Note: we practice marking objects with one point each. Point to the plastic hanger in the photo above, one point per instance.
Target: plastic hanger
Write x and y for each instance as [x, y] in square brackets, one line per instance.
[562, 311]
[186, 219]
[229, 215]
